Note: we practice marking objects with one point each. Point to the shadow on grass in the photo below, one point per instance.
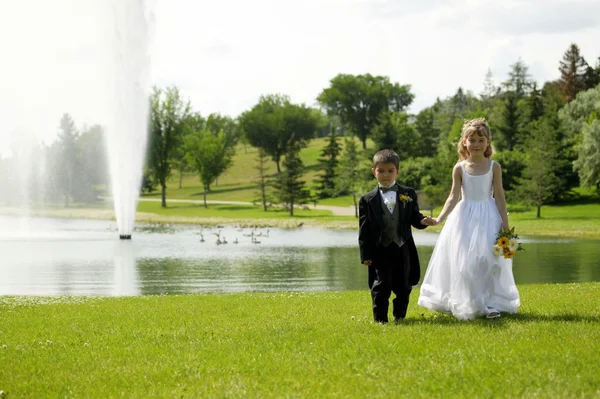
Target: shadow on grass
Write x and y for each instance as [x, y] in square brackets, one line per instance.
[447, 319]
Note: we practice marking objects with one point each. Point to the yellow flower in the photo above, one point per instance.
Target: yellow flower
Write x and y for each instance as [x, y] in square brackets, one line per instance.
[405, 199]
[509, 254]
[497, 250]
[503, 242]
[513, 244]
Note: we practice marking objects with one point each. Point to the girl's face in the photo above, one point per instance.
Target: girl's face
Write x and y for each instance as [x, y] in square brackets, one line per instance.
[476, 144]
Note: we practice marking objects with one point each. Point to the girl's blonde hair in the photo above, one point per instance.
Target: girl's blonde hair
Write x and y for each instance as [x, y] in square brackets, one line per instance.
[477, 126]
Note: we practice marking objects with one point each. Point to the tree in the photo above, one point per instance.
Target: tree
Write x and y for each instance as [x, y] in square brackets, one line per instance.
[566, 153]
[511, 122]
[588, 161]
[210, 154]
[274, 121]
[518, 80]
[168, 114]
[490, 90]
[262, 179]
[288, 185]
[193, 123]
[394, 132]
[539, 181]
[385, 132]
[358, 101]
[513, 164]
[428, 134]
[67, 163]
[328, 165]
[535, 104]
[572, 73]
[92, 170]
[351, 172]
[580, 120]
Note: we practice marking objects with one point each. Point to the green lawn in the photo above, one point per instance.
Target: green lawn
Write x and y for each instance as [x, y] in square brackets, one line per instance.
[263, 345]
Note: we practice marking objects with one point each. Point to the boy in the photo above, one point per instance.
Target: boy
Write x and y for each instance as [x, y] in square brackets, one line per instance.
[385, 238]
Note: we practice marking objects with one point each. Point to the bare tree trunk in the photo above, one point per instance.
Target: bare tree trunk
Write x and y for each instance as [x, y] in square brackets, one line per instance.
[180, 178]
[163, 194]
[205, 205]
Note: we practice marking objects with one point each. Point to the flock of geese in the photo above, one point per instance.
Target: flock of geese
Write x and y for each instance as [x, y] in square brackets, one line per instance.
[222, 240]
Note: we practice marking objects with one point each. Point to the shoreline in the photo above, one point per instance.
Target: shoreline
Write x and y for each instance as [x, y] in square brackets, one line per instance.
[153, 218]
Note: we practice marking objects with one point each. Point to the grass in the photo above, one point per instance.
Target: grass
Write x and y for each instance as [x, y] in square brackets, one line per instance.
[243, 215]
[297, 345]
[238, 182]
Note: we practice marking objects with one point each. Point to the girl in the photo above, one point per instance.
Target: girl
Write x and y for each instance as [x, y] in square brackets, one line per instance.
[464, 277]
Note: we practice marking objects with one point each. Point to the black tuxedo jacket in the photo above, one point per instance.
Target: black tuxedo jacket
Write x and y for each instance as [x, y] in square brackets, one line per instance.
[370, 211]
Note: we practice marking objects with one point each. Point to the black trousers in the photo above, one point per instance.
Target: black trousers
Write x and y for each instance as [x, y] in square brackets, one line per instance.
[389, 273]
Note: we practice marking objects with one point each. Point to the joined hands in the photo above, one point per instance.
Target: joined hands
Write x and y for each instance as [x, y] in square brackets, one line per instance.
[429, 221]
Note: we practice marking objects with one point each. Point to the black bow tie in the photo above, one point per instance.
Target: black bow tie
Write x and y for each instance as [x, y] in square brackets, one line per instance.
[386, 189]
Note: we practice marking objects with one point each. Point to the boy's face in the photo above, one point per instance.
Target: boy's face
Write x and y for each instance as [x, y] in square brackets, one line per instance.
[385, 173]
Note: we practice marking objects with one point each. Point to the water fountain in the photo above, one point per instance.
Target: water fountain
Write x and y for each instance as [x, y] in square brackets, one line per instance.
[127, 129]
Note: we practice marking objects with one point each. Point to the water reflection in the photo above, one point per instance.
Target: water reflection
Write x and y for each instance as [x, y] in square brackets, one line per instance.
[74, 257]
[126, 277]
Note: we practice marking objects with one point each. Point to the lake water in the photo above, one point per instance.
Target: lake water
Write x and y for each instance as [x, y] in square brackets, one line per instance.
[44, 256]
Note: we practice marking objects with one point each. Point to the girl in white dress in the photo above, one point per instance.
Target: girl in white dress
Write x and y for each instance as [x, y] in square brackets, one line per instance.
[464, 277]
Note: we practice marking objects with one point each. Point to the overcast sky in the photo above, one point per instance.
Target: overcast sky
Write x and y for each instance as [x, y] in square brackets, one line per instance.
[224, 54]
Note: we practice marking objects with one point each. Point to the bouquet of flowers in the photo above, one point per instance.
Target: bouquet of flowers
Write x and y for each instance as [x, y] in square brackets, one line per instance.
[507, 244]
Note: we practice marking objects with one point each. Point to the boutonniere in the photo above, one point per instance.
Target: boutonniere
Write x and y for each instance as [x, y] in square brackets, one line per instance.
[404, 199]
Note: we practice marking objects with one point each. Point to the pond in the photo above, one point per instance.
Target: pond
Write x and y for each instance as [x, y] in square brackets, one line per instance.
[44, 256]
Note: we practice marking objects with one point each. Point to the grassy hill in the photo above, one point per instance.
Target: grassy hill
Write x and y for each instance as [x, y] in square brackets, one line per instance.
[238, 183]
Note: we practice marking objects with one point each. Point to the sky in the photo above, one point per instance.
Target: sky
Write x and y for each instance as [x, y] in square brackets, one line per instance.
[59, 56]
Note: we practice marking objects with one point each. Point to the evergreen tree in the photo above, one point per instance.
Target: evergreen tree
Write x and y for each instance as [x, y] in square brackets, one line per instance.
[511, 122]
[490, 90]
[289, 187]
[384, 133]
[591, 78]
[539, 180]
[572, 73]
[566, 153]
[329, 162]
[67, 163]
[535, 104]
[351, 171]
[428, 134]
[519, 79]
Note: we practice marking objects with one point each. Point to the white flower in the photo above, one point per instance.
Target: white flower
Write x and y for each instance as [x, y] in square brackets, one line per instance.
[497, 250]
[513, 244]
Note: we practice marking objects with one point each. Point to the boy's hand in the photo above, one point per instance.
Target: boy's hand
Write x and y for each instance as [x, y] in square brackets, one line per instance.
[367, 262]
[428, 221]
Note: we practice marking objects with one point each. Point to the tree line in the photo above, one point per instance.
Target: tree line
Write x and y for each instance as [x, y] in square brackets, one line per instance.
[546, 137]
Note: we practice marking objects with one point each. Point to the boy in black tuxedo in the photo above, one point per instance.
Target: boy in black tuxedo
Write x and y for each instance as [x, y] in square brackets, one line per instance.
[386, 215]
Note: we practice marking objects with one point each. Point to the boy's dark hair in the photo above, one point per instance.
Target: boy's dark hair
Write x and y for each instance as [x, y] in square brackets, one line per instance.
[386, 156]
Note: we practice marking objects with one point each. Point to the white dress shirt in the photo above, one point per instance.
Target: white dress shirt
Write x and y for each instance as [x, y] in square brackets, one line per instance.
[389, 198]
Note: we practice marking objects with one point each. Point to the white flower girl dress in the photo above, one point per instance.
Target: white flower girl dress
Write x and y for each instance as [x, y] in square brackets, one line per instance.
[464, 277]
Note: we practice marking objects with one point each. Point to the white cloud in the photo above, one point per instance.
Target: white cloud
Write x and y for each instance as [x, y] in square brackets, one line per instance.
[526, 17]
[224, 54]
